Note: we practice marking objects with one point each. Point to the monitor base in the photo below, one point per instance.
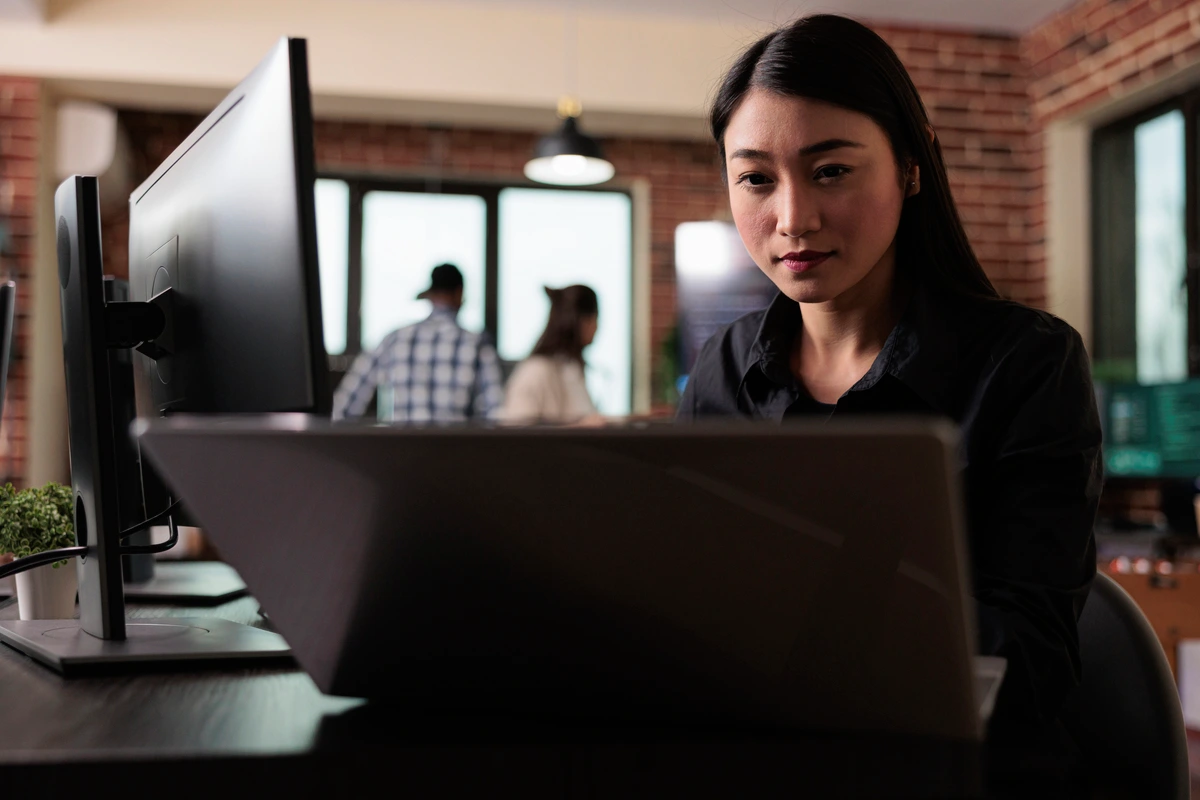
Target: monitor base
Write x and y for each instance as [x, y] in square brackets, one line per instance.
[200, 583]
[66, 648]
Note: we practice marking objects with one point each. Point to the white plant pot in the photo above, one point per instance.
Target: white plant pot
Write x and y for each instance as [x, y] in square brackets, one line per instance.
[47, 593]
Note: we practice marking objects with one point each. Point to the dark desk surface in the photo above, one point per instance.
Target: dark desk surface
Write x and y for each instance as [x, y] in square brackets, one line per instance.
[214, 732]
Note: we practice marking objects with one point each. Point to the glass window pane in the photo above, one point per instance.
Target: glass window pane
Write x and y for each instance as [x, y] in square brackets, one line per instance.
[407, 234]
[333, 252]
[557, 238]
[1161, 261]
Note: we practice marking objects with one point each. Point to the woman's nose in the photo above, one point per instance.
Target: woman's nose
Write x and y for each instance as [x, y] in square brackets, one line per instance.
[797, 214]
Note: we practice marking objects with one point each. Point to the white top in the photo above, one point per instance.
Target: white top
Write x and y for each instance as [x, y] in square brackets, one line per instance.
[547, 389]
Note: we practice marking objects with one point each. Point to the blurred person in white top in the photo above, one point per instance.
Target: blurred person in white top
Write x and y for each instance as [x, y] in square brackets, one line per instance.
[549, 386]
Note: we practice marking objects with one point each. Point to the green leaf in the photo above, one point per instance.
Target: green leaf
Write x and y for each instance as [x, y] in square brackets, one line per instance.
[35, 520]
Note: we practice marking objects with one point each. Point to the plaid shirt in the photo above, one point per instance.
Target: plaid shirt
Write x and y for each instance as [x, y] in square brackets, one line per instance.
[435, 371]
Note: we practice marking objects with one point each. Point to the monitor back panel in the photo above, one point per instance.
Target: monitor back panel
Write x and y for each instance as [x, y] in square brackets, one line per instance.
[227, 222]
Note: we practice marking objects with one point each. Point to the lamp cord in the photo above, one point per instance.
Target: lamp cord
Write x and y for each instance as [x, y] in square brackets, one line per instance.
[571, 48]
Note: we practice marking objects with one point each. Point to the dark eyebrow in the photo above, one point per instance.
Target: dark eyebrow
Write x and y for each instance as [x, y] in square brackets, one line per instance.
[747, 153]
[827, 145]
[811, 150]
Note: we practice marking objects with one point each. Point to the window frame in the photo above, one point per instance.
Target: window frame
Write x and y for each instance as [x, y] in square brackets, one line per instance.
[1188, 103]
[360, 184]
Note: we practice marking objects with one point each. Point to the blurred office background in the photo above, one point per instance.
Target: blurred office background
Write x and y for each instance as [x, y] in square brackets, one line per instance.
[1066, 127]
[1069, 128]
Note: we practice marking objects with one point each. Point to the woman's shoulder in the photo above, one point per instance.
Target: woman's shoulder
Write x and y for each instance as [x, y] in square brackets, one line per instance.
[532, 368]
[1014, 349]
[537, 363]
[1010, 325]
[541, 367]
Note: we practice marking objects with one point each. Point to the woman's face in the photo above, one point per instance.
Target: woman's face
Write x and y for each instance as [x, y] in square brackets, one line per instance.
[816, 193]
[587, 328]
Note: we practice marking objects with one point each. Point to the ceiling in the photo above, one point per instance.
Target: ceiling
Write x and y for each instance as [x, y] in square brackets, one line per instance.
[1008, 16]
[22, 10]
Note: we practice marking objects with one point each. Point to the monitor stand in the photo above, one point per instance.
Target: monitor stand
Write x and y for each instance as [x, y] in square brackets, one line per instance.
[66, 648]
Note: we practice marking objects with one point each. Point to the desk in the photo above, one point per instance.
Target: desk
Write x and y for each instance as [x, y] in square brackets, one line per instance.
[216, 734]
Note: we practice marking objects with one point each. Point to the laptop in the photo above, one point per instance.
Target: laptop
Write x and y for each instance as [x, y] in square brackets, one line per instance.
[805, 576]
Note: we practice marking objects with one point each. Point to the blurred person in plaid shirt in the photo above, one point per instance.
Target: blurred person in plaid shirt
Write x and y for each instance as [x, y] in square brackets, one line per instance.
[434, 370]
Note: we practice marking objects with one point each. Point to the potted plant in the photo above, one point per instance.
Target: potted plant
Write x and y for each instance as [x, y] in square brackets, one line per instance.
[33, 521]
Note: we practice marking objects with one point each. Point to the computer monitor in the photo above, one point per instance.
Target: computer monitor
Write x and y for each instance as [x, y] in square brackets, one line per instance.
[1152, 433]
[224, 314]
[227, 222]
[8, 306]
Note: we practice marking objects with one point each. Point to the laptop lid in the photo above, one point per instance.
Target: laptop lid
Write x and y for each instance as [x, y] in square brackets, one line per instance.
[810, 575]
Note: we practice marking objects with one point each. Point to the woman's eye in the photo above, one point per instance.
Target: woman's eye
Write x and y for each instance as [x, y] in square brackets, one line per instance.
[831, 172]
[753, 179]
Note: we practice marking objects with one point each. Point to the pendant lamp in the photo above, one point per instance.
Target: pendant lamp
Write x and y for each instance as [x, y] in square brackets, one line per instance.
[568, 157]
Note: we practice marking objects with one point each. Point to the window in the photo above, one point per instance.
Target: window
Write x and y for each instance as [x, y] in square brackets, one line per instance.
[1145, 236]
[404, 235]
[557, 238]
[333, 236]
[378, 240]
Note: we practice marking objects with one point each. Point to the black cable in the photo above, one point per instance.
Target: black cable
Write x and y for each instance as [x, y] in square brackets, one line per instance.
[150, 549]
[38, 559]
[146, 523]
[63, 553]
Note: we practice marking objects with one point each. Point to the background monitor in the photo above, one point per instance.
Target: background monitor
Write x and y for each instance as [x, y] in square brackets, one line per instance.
[1151, 440]
[1151, 431]
[228, 223]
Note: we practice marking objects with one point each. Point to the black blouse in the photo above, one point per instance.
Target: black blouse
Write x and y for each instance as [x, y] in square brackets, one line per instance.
[1017, 383]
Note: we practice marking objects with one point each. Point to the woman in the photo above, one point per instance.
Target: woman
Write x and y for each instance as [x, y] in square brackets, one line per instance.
[549, 386]
[839, 191]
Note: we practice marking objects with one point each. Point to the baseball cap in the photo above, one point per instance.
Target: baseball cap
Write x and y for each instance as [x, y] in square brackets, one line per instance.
[444, 278]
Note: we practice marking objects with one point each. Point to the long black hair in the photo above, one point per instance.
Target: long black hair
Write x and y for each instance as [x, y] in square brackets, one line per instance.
[839, 61]
[569, 306]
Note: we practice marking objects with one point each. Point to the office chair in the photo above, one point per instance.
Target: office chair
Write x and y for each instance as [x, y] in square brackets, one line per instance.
[1126, 715]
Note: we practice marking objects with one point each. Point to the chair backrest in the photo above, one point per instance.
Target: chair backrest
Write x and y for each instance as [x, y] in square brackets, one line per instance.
[1125, 715]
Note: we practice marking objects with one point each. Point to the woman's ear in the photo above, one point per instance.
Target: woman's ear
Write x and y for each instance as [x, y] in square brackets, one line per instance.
[912, 180]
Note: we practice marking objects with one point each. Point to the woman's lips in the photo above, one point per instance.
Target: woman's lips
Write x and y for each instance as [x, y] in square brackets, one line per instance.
[804, 260]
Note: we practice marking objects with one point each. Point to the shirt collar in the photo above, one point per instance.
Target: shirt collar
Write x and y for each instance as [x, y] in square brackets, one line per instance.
[921, 351]
[444, 312]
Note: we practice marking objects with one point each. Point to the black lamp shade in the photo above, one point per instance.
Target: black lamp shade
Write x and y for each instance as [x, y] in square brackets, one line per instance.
[568, 141]
[568, 157]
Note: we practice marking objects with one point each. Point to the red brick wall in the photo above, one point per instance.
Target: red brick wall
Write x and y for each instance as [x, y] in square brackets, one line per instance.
[1092, 53]
[975, 88]
[20, 136]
